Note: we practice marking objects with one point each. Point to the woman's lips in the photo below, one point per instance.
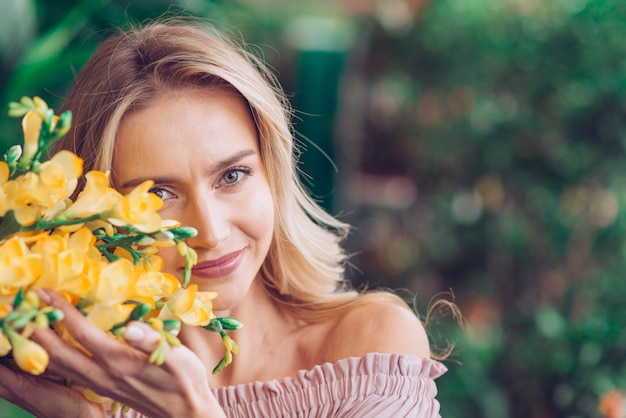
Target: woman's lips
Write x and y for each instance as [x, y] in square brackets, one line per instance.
[220, 267]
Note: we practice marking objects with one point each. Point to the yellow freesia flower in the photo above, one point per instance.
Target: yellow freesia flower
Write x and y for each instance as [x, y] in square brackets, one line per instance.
[65, 261]
[31, 126]
[190, 306]
[139, 208]
[96, 197]
[106, 315]
[60, 174]
[156, 284]
[26, 197]
[201, 312]
[111, 286]
[115, 283]
[153, 263]
[18, 266]
[28, 355]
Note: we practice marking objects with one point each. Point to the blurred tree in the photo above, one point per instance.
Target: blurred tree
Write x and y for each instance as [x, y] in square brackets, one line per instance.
[509, 118]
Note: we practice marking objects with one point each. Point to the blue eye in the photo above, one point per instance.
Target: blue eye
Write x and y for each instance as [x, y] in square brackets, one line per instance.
[162, 193]
[231, 177]
[235, 175]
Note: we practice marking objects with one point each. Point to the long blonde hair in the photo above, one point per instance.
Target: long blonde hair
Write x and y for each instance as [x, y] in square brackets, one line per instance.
[304, 269]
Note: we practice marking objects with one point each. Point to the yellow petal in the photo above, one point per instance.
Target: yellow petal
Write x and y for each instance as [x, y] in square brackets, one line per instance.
[31, 125]
[71, 163]
[28, 355]
[60, 174]
[183, 300]
[5, 309]
[4, 172]
[139, 208]
[116, 282]
[92, 396]
[157, 284]
[18, 266]
[96, 197]
[40, 105]
[104, 316]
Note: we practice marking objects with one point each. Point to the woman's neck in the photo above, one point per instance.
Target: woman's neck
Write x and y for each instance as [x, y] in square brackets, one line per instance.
[270, 343]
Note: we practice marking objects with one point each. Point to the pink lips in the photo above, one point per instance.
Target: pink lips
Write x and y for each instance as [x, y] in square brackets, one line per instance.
[220, 267]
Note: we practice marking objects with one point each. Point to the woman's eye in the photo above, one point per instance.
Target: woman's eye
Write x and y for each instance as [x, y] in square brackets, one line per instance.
[164, 194]
[234, 176]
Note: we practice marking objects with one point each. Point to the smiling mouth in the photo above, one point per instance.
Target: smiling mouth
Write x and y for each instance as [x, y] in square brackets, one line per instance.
[220, 267]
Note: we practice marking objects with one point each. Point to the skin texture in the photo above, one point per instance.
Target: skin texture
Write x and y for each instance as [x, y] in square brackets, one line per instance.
[202, 151]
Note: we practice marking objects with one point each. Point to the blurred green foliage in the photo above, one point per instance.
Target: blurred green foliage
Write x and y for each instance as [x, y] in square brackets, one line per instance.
[510, 118]
[497, 129]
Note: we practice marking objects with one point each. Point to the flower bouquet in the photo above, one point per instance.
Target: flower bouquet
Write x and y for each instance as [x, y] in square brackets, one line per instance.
[97, 249]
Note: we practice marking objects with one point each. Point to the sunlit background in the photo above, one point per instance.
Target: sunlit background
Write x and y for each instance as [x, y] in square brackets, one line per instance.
[477, 146]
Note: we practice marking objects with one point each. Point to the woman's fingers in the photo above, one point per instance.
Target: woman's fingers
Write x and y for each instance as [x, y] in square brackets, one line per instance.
[44, 397]
[89, 336]
[142, 337]
[122, 371]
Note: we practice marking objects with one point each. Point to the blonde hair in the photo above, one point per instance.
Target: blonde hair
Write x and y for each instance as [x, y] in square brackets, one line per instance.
[304, 269]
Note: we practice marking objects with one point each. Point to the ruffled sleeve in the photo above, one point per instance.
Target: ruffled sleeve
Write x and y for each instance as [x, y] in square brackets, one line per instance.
[376, 385]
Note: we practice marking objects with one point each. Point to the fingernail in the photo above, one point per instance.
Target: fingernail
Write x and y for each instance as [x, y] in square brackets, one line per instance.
[43, 295]
[134, 334]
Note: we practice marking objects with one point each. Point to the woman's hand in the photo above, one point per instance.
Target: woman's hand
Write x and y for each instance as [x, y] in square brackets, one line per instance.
[43, 396]
[177, 388]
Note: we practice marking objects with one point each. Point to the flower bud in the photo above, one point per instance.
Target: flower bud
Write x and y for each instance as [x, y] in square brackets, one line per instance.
[41, 319]
[184, 232]
[146, 240]
[63, 124]
[28, 355]
[171, 326]
[31, 125]
[228, 342]
[32, 298]
[164, 236]
[13, 154]
[230, 323]
[156, 324]
[139, 312]
[17, 110]
[214, 326]
[54, 315]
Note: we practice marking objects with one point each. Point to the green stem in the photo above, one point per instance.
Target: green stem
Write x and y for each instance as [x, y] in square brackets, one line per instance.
[55, 223]
[129, 240]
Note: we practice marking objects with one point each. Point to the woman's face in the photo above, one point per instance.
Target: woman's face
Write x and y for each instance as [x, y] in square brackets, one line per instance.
[202, 152]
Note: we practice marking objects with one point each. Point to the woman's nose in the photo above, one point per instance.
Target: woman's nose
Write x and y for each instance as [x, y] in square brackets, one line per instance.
[212, 222]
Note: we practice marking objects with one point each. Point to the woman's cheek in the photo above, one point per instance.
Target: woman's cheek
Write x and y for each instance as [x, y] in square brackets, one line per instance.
[171, 258]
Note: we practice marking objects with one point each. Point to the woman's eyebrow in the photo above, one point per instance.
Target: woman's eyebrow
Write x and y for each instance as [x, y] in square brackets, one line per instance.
[220, 166]
[233, 159]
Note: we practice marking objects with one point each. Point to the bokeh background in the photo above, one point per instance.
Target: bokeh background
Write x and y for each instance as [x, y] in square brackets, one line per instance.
[478, 147]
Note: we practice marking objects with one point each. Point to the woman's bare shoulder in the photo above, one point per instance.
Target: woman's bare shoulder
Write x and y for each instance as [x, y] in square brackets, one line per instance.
[377, 326]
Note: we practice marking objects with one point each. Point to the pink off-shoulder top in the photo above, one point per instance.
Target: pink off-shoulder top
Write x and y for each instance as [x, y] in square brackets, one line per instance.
[376, 385]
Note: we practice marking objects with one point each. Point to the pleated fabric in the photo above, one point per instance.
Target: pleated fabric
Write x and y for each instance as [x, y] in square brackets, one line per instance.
[375, 385]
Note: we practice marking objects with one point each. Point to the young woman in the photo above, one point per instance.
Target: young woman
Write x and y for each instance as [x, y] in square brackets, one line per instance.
[186, 108]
